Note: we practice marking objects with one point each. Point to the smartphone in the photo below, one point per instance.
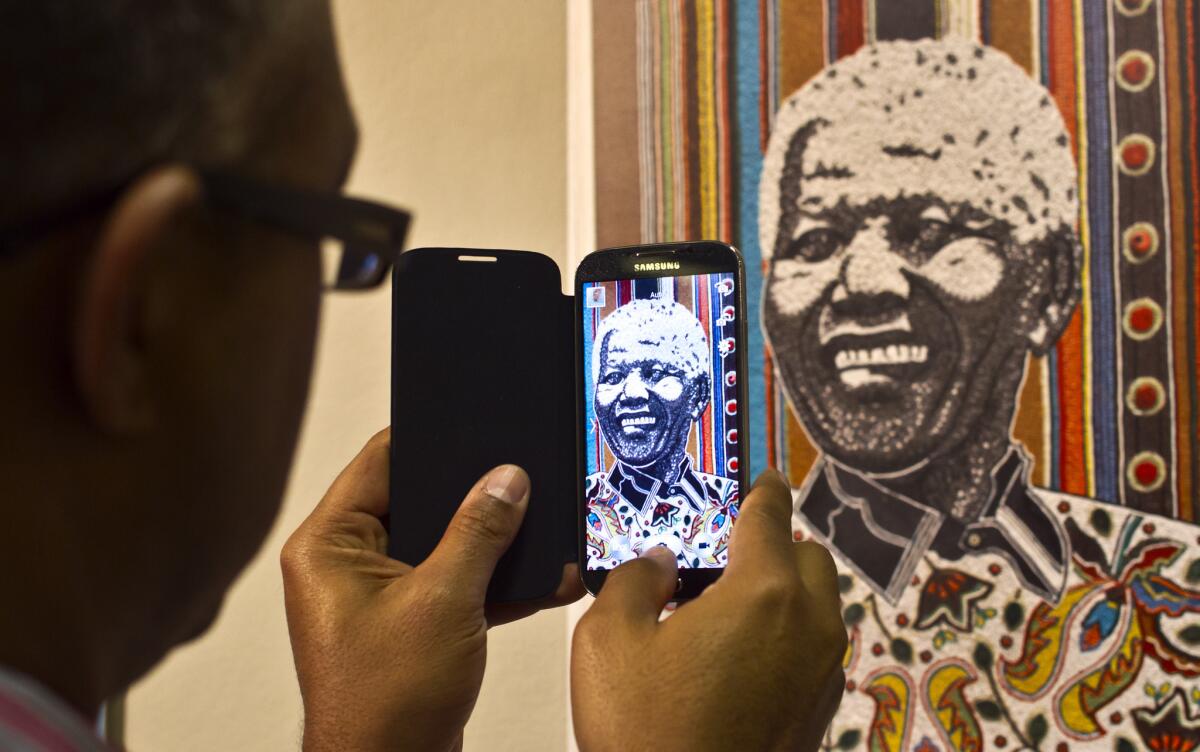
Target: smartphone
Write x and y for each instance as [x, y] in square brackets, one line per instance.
[483, 347]
[661, 346]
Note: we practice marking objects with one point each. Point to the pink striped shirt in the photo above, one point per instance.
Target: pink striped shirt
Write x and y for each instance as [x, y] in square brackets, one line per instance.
[32, 719]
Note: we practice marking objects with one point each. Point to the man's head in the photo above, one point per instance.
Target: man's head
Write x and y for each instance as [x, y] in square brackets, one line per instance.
[918, 208]
[161, 348]
[650, 366]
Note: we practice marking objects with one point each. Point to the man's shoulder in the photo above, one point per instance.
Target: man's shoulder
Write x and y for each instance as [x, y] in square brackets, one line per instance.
[34, 718]
[719, 487]
[712, 479]
[1056, 497]
[597, 489]
[1089, 512]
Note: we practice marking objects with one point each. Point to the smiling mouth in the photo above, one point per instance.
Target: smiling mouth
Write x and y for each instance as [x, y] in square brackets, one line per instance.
[880, 356]
[876, 360]
[637, 422]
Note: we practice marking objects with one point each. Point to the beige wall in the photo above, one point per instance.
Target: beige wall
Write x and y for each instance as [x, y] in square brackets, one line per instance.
[462, 107]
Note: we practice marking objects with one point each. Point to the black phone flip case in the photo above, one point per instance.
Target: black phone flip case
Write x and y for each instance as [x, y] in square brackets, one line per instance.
[483, 373]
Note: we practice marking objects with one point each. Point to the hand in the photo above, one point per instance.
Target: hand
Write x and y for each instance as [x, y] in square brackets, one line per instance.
[754, 663]
[390, 656]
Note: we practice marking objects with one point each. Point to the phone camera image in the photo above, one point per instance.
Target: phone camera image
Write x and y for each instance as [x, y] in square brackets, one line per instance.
[660, 402]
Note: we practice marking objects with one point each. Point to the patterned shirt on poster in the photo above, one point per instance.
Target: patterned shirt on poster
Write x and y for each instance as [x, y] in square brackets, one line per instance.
[629, 511]
[1054, 622]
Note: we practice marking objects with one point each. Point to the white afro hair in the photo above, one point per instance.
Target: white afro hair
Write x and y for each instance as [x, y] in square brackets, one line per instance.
[991, 136]
[665, 331]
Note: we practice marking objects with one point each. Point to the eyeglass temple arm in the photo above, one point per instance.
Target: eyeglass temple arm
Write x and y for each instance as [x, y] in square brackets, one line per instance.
[362, 226]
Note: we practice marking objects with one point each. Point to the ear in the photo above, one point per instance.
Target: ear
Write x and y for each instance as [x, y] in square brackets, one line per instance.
[1059, 257]
[113, 316]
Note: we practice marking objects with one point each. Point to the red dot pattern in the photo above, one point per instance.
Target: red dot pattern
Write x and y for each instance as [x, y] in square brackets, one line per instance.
[1145, 471]
[1140, 242]
[1135, 155]
[1135, 70]
[1146, 397]
[1141, 319]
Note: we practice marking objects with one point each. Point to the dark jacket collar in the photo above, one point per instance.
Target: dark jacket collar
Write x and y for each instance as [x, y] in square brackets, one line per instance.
[882, 535]
[638, 488]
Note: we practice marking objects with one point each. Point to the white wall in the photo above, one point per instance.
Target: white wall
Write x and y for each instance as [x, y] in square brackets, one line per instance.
[462, 107]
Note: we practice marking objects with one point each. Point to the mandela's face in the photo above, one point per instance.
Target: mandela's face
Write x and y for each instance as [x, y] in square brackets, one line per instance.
[645, 405]
[892, 312]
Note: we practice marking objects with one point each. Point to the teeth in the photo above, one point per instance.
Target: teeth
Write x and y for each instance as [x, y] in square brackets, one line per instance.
[856, 377]
[881, 356]
[642, 421]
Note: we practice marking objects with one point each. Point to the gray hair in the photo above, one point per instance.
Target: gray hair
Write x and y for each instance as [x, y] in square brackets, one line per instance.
[96, 90]
[667, 331]
[994, 134]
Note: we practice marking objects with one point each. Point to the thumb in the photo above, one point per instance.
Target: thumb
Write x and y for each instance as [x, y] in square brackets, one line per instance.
[481, 531]
[637, 591]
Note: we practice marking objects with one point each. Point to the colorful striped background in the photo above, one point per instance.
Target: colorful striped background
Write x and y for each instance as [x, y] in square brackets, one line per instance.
[685, 92]
[708, 443]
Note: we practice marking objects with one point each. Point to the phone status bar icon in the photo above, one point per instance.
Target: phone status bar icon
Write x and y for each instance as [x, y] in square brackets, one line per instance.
[595, 297]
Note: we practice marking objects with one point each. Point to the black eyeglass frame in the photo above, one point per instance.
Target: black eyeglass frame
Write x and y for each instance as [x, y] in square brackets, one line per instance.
[371, 234]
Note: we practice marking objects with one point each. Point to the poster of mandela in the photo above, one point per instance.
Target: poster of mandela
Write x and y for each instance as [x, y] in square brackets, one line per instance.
[970, 230]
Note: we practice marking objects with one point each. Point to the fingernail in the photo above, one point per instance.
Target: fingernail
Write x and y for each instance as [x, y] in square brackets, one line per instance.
[661, 555]
[507, 483]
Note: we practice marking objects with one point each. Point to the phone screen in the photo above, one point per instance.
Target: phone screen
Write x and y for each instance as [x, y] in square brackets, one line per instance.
[661, 396]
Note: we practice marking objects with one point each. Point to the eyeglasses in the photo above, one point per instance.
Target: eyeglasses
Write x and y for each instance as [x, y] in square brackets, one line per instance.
[360, 240]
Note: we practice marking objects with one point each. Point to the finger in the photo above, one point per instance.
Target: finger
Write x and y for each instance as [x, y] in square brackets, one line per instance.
[818, 572]
[481, 531]
[569, 590]
[363, 485]
[570, 587]
[637, 591]
[347, 519]
[762, 536]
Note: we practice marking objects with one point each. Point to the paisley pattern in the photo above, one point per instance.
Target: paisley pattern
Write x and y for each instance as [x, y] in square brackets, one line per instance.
[945, 700]
[969, 659]
[892, 692]
[693, 517]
